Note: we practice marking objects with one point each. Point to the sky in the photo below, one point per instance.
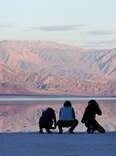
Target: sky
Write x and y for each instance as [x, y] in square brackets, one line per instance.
[82, 23]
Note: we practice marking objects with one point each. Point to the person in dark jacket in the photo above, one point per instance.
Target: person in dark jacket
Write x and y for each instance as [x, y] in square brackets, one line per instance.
[89, 117]
[47, 120]
[67, 118]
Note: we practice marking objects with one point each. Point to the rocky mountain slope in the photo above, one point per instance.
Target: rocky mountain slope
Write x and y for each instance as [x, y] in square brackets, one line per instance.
[48, 67]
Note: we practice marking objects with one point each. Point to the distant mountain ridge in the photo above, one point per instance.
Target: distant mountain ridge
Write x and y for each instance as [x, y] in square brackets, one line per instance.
[49, 67]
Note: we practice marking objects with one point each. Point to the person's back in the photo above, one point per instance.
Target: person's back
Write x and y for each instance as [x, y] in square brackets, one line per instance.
[47, 119]
[66, 113]
[48, 114]
[67, 118]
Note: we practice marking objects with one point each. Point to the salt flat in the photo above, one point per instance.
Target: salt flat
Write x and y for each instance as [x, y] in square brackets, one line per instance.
[78, 144]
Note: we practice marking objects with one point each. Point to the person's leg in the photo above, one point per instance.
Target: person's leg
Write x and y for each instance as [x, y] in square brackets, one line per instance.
[90, 129]
[73, 124]
[93, 126]
[60, 125]
[41, 131]
[99, 128]
[48, 126]
[48, 130]
[40, 128]
[90, 126]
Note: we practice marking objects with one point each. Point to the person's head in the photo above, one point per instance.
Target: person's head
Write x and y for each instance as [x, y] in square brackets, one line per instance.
[49, 109]
[67, 104]
[92, 103]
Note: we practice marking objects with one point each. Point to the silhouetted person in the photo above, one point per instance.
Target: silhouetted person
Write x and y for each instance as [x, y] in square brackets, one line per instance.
[89, 117]
[67, 117]
[47, 120]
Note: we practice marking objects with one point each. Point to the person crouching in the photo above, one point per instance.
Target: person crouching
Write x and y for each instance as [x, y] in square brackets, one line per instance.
[47, 120]
[67, 118]
[89, 117]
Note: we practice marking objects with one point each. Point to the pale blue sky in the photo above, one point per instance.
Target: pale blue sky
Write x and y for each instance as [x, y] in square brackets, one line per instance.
[83, 23]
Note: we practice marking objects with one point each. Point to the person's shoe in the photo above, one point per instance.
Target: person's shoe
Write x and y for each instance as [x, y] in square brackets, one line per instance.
[91, 129]
[41, 131]
[49, 131]
[70, 131]
[60, 132]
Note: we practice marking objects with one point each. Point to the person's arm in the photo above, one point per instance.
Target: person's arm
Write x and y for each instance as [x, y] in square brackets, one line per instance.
[83, 118]
[60, 113]
[73, 113]
[98, 110]
[55, 123]
[54, 120]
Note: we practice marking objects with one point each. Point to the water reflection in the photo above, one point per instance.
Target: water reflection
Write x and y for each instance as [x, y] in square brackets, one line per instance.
[24, 115]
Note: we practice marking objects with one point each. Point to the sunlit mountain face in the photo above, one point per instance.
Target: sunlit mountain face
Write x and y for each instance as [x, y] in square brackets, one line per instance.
[50, 68]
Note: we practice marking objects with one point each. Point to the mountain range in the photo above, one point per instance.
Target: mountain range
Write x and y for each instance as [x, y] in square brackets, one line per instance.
[34, 67]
